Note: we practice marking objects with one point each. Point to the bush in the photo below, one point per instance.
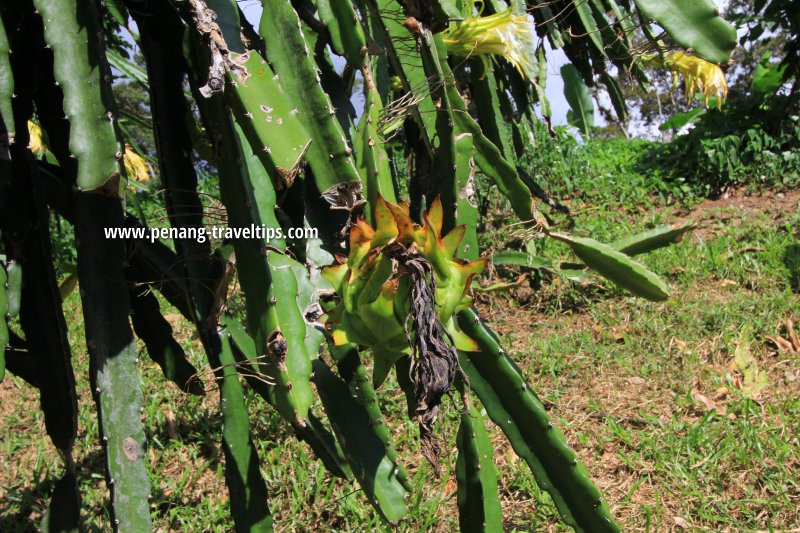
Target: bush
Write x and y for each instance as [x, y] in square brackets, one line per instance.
[749, 141]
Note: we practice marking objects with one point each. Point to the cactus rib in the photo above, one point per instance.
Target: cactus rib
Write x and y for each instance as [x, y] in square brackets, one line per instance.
[353, 372]
[72, 30]
[3, 324]
[365, 451]
[513, 406]
[248, 492]
[478, 503]
[156, 333]
[7, 129]
[329, 155]
[371, 156]
[113, 361]
[347, 36]
[617, 267]
[315, 434]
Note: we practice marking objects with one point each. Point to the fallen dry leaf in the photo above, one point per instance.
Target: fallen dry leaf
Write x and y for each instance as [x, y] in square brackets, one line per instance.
[682, 346]
[708, 403]
[781, 343]
[792, 335]
[680, 522]
[172, 429]
[721, 393]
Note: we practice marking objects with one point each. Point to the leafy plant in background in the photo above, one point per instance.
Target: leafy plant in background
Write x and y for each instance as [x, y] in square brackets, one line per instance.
[267, 125]
[750, 139]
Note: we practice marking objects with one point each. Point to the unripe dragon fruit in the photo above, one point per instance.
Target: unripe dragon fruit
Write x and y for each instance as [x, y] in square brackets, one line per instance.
[374, 283]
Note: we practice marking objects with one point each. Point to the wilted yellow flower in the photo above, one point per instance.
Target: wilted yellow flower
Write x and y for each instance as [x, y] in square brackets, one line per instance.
[502, 34]
[35, 142]
[135, 166]
[698, 74]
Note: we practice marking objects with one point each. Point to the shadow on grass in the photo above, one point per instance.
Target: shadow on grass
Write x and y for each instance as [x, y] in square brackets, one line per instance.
[791, 258]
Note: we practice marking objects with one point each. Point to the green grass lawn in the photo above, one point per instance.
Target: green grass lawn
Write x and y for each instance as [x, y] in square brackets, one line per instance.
[675, 433]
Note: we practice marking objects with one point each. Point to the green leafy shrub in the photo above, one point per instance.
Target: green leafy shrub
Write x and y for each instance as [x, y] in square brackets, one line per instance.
[748, 141]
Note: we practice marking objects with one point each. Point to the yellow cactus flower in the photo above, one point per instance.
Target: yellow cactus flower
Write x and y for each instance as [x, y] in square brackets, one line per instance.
[35, 142]
[502, 34]
[698, 74]
[135, 166]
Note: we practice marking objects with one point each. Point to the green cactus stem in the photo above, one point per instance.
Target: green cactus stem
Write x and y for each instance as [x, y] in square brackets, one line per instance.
[248, 492]
[479, 507]
[513, 406]
[3, 324]
[353, 372]
[72, 30]
[7, 129]
[151, 326]
[329, 155]
[371, 156]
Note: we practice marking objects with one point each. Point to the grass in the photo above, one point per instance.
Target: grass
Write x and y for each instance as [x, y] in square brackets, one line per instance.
[623, 378]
